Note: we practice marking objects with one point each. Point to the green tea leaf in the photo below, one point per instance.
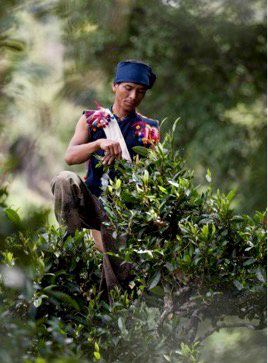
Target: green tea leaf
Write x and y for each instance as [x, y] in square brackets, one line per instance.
[167, 357]
[118, 184]
[230, 195]
[162, 189]
[64, 298]
[97, 355]
[154, 280]
[163, 122]
[250, 261]
[145, 177]
[238, 285]
[175, 124]
[12, 216]
[208, 176]
[158, 290]
[38, 302]
[175, 184]
[141, 150]
[260, 276]
[97, 348]
[187, 258]
[121, 324]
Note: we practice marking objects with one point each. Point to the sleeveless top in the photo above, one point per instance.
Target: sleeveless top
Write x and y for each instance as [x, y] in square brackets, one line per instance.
[136, 129]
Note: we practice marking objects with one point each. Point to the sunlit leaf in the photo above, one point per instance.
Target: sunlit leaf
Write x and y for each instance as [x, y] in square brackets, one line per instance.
[238, 285]
[208, 176]
[260, 276]
[97, 355]
[154, 280]
[141, 150]
[13, 216]
[175, 124]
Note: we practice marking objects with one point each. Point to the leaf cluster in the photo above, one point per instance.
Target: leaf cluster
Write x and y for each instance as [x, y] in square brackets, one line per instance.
[189, 240]
[193, 260]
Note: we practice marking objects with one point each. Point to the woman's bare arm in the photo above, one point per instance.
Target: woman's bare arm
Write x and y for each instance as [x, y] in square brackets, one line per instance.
[79, 150]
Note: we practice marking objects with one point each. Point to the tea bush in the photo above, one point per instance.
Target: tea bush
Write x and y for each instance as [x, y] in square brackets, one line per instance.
[193, 261]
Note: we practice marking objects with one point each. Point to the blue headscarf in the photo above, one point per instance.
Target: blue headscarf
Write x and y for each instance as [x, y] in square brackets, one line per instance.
[130, 71]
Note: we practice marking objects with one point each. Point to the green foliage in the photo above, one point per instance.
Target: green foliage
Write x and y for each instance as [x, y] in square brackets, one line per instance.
[10, 48]
[193, 260]
[188, 240]
[210, 61]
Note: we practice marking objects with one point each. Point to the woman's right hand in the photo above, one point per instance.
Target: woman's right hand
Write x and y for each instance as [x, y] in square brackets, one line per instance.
[112, 150]
[111, 147]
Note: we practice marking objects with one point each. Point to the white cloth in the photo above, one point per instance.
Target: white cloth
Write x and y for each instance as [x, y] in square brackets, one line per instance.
[113, 132]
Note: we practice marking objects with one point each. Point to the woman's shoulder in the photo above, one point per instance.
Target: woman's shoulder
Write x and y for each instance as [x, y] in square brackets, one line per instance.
[151, 122]
[97, 118]
[88, 114]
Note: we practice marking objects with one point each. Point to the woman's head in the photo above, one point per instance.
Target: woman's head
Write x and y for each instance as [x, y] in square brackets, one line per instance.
[128, 95]
[134, 71]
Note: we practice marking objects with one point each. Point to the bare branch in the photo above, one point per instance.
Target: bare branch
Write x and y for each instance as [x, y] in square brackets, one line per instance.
[168, 304]
[190, 329]
[181, 291]
[227, 326]
[186, 309]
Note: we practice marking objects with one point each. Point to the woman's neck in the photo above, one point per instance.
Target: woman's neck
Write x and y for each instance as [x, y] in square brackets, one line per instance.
[120, 112]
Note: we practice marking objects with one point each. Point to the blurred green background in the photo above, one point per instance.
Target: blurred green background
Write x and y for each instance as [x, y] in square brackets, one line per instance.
[58, 57]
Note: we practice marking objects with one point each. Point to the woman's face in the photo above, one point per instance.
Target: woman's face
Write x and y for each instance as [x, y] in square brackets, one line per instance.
[128, 95]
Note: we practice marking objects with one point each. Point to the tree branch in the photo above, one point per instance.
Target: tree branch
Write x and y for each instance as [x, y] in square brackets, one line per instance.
[227, 326]
[168, 304]
[190, 329]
